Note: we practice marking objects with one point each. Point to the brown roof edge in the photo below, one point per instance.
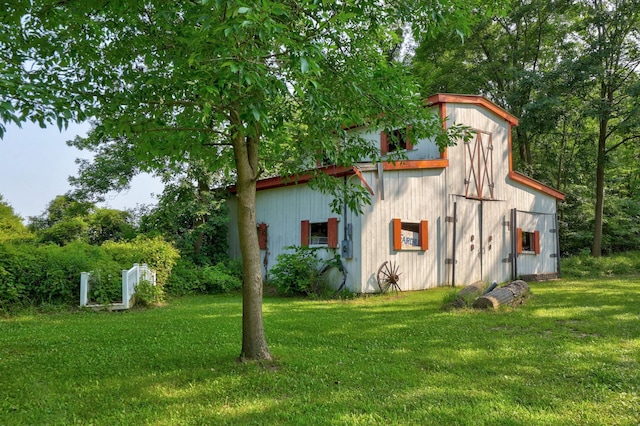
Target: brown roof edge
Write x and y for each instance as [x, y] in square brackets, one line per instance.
[281, 181]
[532, 183]
[443, 98]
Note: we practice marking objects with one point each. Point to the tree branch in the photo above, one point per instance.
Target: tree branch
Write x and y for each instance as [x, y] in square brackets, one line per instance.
[622, 142]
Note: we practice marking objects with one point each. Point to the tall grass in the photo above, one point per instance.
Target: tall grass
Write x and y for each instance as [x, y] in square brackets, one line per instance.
[570, 355]
[585, 265]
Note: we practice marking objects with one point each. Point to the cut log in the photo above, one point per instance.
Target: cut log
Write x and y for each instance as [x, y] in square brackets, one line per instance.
[508, 294]
[476, 288]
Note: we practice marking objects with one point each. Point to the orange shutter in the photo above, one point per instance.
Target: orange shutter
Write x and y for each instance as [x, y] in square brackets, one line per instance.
[262, 236]
[536, 242]
[424, 235]
[332, 232]
[518, 240]
[407, 140]
[397, 234]
[384, 143]
[304, 233]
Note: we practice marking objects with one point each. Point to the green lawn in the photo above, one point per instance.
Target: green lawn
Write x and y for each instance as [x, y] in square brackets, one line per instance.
[570, 355]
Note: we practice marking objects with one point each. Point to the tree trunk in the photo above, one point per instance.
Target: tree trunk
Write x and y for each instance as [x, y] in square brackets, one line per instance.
[203, 196]
[601, 163]
[254, 342]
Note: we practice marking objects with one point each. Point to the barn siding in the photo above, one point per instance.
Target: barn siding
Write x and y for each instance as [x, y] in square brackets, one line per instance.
[479, 118]
[485, 238]
[412, 196]
[282, 209]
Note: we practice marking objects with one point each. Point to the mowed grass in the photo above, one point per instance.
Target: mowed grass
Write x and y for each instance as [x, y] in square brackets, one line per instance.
[570, 355]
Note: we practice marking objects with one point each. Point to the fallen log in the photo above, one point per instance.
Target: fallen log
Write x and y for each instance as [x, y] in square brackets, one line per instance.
[510, 293]
[476, 288]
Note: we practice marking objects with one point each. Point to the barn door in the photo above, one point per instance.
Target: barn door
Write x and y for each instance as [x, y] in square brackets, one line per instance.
[478, 166]
[468, 242]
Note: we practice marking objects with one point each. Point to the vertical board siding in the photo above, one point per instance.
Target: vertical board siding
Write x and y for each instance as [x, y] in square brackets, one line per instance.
[484, 239]
[410, 196]
[478, 118]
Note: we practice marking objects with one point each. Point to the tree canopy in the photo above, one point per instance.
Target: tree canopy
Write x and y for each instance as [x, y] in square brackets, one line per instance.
[244, 86]
[571, 72]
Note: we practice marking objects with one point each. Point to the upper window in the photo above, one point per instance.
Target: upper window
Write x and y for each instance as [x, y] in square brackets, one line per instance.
[478, 165]
[396, 140]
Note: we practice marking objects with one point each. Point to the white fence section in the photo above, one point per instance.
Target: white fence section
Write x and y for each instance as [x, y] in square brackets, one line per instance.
[130, 280]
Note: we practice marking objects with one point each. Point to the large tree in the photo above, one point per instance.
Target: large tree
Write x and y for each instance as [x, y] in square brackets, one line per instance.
[265, 84]
[609, 36]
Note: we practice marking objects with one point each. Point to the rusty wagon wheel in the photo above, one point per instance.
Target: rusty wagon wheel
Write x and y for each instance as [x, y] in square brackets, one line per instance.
[388, 276]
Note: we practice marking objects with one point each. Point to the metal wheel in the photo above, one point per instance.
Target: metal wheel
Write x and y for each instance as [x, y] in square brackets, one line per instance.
[388, 276]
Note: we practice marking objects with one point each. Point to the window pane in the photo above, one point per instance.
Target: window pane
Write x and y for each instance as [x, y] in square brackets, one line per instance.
[318, 234]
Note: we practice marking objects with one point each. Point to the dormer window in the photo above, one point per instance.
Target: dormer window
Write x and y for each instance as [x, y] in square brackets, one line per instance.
[395, 140]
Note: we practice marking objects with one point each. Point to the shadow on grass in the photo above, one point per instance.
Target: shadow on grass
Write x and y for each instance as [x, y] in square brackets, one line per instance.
[570, 355]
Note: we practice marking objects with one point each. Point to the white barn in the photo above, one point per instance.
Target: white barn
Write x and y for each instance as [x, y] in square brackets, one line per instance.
[448, 218]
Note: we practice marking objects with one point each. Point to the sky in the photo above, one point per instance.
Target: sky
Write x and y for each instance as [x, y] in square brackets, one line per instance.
[35, 164]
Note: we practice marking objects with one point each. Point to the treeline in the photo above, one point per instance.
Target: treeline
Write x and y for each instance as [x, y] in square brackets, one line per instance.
[570, 72]
[41, 262]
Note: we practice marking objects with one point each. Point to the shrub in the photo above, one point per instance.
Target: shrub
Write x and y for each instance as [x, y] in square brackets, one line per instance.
[297, 273]
[148, 294]
[49, 274]
[158, 254]
[105, 286]
[188, 278]
[219, 279]
[184, 279]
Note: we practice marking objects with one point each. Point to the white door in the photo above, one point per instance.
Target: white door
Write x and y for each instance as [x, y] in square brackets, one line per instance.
[467, 265]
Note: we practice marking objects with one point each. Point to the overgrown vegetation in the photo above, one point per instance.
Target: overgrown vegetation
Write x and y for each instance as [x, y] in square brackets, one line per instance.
[32, 274]
[41, 264]
[585, 266]
[568, 356]
[301, 272]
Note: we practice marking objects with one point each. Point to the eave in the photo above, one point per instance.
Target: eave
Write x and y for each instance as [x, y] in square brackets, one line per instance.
[532, 183]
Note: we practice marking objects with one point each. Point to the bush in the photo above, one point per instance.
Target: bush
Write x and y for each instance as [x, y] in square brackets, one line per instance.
[184, 279]
[297, 273]
[148, 294]
[49, 274]
[158, 254]
[188, 278]
[105, 286]
[219, 279]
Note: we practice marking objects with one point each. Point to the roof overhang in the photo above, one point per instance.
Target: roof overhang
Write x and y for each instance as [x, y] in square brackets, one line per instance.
[444, 98]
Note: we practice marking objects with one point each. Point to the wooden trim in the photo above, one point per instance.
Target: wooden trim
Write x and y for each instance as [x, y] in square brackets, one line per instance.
[474, 100]
[532, 183]
[280, 181]
[407, 140]
[384, 143]
[262, 236]
[424, 235]
[416, 164]
[332, 232]
[518, 240]
[397, 234]
[304, 233]
[536, 242]
[364, 182]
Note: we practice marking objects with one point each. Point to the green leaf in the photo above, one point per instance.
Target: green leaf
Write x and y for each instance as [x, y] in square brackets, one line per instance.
[304, 65]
